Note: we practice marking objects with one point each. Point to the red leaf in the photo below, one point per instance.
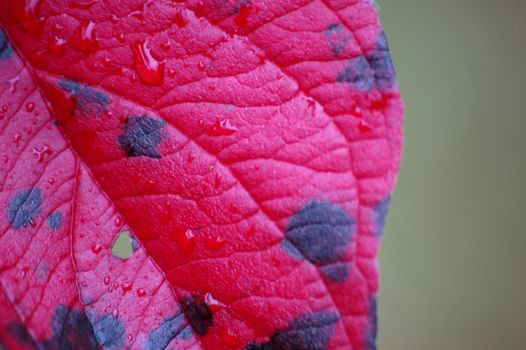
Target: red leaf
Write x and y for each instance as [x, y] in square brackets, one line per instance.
[246, 150]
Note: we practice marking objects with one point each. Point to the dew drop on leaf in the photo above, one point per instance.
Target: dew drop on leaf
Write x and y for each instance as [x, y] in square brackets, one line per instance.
[215, 243]
[85, 38]
[96, 248]
[57, 45]
[149, 68]
[126, 286]
[141, 292]
[106, 280]
[222, 128]
[30, 106]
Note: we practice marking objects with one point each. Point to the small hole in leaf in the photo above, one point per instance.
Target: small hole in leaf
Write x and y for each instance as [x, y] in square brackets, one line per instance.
[124, 246]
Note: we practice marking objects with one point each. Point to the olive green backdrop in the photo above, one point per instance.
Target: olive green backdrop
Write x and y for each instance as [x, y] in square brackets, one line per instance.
[453, 258]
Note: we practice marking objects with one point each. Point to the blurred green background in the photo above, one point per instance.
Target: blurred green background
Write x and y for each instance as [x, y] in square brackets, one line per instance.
[453, 258]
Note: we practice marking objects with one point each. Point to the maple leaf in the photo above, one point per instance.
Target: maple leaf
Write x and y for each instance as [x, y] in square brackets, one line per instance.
[245, 151]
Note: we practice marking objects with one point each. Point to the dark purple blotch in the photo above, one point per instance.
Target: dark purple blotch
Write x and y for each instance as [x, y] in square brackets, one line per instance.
[166, 332]
[19, 333]
[54, 221]
[6, 50]
[197, 313]
[142, 136]
[71, 330]
[321, 232]
[372, 328]
[88, 101]
[380, 215]
[366, 72]
[109, 330]
[312, 331]
[338, 38]
[336, 272]
[24, 207]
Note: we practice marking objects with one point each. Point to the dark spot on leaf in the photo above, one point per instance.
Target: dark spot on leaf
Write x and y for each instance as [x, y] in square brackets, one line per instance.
[72, 330]
[88, 101]
[380, 214]
[20, 333]
[142, 136]
[109, 331]
[373, 70]
[5, 46]
[167, 331]
[197, 313]
[336, 272]
[312, 331]
[338, 38]
[370, 334]
[321, 231]
[54, 221]
[24, 207]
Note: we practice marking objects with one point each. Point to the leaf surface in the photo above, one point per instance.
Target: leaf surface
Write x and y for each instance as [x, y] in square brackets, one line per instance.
[245, 150]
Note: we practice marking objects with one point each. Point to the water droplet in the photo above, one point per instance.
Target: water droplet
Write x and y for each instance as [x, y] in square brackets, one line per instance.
[191, 157]
[106, 280]
[222, 128]
[171, 73]
[4, 108]
[363, 127]
[130, 338]
[42, 152]
[213, 303]
[126, 286]
[96, 248]
[180, 19]
[185, 240]
[118, 221]
[17, 137]
[217, 181]
[141, 292]
[5, 159]
[166, 46]
[26, 12]
[84, 38]
[114, 19]
[212, 86]
[215, 243]
[30, 106]
[51, 181]
[201, 66]
[57, 45]
[83, 5]
[84, 284]
[106, 60]
[24, 271]
[150, 69]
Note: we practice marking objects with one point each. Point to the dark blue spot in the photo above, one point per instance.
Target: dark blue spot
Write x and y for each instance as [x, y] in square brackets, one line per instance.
[88, 101]
[321, 231]
[20, 333]
[187, 333]
[338, 38]
[380, 214]
[312, 331]
[142, 136]
[24, 207]
[109, 331]
[71, 330]
[370, 333]
[6, 50]
[134, 243]
[54, 221]
[197, 313]
[373, 70]
[167, 331]
[337, 272]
